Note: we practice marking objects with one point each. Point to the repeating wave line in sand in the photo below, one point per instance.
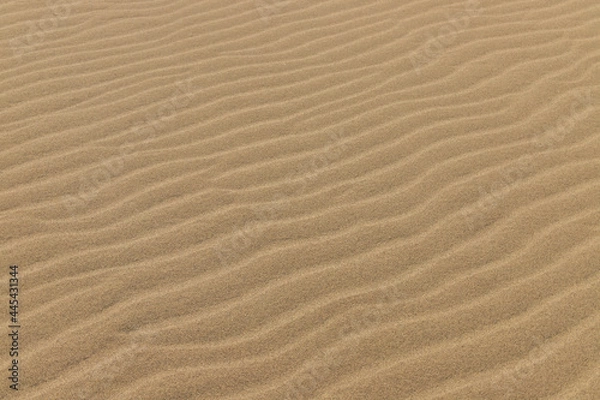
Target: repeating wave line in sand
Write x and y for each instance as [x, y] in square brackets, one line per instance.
[435, 46]
[525, 166]
[56, 14]
[267, 11]
[242, 237]
[105, 371]
[91, 183]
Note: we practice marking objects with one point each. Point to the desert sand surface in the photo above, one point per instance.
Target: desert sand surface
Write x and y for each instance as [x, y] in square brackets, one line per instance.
[301, 199]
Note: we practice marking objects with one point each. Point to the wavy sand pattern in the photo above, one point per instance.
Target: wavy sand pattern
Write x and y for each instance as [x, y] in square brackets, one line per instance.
[301, 199]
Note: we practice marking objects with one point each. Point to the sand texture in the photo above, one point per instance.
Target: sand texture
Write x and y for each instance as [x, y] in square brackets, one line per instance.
[300, 199]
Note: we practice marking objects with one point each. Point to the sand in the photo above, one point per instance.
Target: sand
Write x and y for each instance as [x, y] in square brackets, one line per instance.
[301, 199]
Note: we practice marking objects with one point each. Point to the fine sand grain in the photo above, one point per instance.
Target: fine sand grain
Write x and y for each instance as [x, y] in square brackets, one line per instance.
[301, 199]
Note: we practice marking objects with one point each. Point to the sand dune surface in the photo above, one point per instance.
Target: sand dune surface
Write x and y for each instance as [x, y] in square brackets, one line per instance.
[300, 199]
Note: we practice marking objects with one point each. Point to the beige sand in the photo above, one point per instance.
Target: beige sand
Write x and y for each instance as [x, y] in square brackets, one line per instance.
[301, 199]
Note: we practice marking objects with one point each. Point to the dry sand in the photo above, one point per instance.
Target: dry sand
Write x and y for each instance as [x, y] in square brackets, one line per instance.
[301, 199]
